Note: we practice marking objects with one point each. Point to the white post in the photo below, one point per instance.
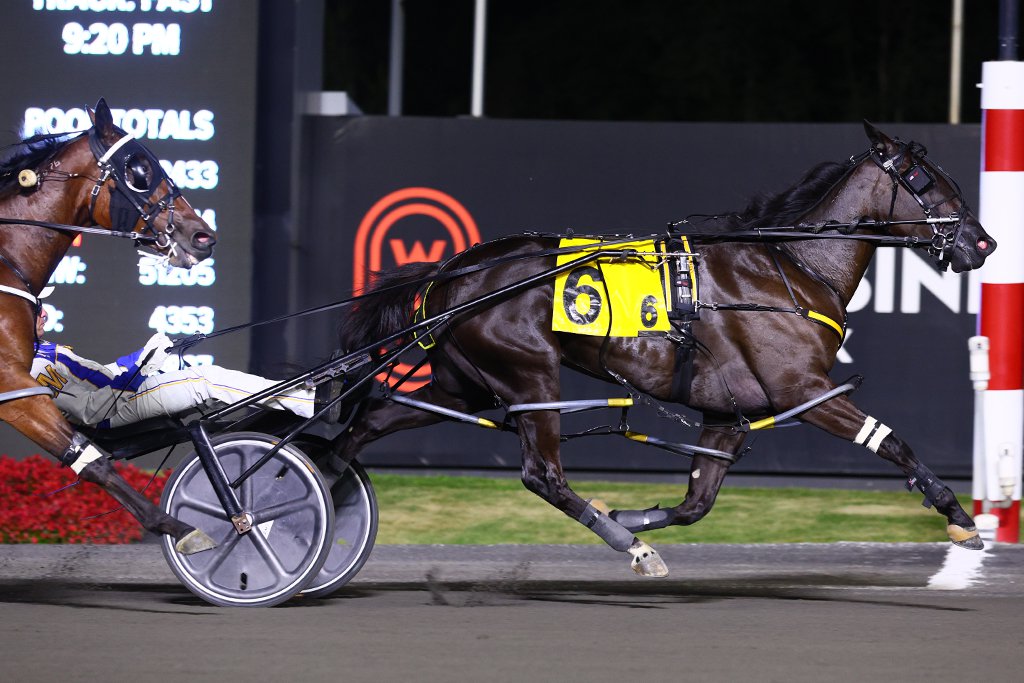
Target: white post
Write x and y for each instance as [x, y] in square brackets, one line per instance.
[986, 522]
[1001, 319]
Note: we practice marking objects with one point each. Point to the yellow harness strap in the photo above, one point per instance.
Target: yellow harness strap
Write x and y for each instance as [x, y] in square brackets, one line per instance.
[827, 322]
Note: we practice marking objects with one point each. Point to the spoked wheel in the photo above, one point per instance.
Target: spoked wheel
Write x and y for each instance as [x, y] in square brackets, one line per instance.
[291, 533]
[355, 523]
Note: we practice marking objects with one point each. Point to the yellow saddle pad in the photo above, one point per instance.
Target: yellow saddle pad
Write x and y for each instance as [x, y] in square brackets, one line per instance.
[611, 296]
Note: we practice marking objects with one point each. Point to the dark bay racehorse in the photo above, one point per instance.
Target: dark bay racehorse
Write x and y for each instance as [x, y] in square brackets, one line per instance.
[768, 362]
[101, 178]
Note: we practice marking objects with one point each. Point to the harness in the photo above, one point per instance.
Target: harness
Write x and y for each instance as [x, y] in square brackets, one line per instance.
[806, 313]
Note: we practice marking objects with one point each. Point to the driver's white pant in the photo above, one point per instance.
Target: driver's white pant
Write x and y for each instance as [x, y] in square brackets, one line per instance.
[173, 393]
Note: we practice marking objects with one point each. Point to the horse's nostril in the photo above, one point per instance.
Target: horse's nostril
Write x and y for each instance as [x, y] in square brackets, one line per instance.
[203, 239]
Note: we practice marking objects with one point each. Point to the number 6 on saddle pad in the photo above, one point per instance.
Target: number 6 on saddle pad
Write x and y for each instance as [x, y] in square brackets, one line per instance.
[636, 288]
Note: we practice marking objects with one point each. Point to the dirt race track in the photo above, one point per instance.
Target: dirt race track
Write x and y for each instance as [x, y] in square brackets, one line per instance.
[808, 612]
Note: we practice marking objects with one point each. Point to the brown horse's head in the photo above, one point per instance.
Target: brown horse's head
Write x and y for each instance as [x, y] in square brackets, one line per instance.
[923, 190]
[140, 197]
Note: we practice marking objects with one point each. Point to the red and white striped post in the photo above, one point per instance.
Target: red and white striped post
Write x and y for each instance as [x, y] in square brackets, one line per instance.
[997, 466]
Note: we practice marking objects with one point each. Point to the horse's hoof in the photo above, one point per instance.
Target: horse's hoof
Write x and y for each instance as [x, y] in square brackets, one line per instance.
[194, 542]
[647, 561]
[965, 537]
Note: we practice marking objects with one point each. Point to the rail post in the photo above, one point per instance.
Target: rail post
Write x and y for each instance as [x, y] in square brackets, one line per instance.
[997, 486]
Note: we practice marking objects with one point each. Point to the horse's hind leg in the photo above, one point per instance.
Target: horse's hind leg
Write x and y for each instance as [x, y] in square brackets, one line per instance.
[39, 420]
[842, 418]
[706, 476]
[542, 474]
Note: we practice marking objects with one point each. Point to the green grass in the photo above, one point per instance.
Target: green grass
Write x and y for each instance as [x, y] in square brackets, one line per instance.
[483, 510]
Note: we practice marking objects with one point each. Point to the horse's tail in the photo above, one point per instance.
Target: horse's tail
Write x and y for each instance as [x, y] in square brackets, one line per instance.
[386, 308]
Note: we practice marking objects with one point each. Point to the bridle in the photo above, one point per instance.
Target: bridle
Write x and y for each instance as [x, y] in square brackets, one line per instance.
[122, 161]
[917, 180]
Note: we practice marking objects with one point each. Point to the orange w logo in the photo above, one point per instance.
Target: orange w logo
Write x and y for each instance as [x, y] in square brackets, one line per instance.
[417, 254]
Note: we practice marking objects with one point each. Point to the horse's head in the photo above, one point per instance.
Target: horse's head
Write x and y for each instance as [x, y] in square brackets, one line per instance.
[141, 197]
[922, 190]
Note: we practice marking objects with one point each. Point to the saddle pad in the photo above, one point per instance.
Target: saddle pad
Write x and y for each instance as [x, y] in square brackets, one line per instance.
[636, 289]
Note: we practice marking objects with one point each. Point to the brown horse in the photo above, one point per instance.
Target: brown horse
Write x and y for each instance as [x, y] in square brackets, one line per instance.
[99, 179]
[749, 366]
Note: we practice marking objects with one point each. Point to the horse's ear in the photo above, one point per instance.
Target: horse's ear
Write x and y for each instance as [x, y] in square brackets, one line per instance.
[102, 119]
[879, 140]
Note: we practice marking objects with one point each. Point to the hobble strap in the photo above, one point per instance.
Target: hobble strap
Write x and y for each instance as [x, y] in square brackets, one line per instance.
[927, 483]
[641, 520]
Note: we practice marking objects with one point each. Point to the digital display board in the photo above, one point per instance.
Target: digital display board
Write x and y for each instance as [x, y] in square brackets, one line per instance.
[180, 75]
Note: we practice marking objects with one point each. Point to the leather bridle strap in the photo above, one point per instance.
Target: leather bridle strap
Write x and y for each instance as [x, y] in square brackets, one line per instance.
[941, 240]
[102, 161]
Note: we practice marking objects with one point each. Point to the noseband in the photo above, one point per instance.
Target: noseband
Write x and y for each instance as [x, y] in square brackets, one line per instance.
[130, 203]
[917, 181]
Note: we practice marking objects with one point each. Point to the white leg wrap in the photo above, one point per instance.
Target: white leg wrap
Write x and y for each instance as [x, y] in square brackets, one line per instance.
[879, 437]
[89, 453]
[862, 435]
[872, 434]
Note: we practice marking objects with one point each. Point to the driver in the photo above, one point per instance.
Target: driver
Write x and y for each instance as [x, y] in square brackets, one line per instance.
[134, 388]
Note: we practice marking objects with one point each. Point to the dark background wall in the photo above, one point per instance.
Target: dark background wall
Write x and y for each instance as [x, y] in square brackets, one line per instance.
[665, 60]
[579, 65]
[513, 176]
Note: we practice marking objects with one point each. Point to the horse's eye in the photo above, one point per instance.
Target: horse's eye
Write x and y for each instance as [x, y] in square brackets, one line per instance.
[137, 173]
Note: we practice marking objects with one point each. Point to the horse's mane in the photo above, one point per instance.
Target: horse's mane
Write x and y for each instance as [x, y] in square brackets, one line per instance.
[784, 208]
[31, 152]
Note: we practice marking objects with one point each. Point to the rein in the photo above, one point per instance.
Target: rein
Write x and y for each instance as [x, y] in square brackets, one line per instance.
[77, 228]
[766, 234]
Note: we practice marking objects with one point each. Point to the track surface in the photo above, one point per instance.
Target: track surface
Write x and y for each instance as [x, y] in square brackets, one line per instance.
[808, 612]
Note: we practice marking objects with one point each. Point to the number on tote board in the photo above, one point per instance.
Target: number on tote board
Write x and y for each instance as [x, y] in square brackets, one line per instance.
[182, 319]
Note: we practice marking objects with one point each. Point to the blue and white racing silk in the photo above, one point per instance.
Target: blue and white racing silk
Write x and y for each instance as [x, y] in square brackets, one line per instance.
[85, 390]
[117, 394]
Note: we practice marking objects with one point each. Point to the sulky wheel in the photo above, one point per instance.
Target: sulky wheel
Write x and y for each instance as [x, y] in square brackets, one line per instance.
[355, 522]
[291, 533]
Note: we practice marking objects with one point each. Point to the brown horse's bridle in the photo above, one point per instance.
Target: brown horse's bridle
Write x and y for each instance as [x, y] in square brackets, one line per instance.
[129, 203]
[917, 180]
[133, 203]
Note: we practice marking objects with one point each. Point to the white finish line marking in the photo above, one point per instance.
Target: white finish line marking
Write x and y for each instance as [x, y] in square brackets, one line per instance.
[962, 569]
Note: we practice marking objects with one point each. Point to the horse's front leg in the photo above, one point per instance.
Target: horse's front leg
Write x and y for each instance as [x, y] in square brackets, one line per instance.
[706, 476]
[842, 418]
[38, 419]
[542, 474]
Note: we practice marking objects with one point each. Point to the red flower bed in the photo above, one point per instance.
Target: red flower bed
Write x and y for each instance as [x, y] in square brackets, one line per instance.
[29, 514]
